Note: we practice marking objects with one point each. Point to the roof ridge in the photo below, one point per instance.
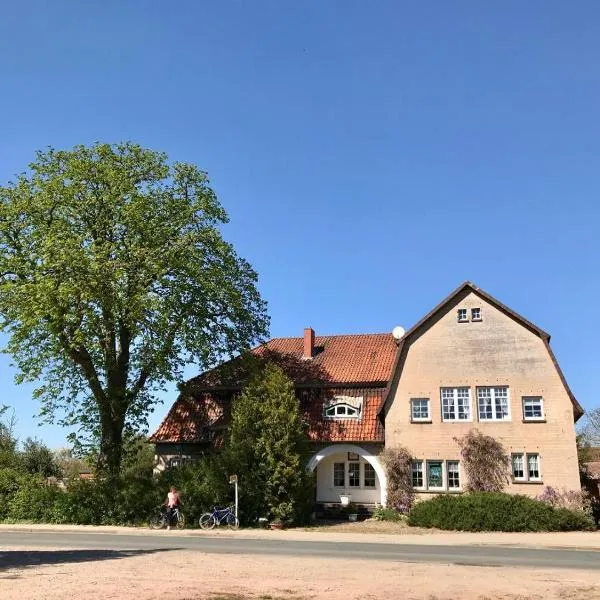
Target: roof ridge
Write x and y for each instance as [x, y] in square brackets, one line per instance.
[333, 335]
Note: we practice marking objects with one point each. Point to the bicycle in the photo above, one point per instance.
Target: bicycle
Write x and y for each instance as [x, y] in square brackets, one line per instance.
[159, 520]
[218, 516]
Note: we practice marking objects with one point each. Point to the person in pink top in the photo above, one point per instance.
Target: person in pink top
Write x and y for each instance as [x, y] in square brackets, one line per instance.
[172, 502]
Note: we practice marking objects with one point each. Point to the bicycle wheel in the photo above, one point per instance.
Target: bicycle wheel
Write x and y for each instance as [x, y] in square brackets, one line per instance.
[158, 521]
[231, 521]
[180, 521]
[207, 521]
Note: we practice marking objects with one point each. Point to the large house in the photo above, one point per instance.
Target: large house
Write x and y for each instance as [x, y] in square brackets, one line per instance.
[471, 362]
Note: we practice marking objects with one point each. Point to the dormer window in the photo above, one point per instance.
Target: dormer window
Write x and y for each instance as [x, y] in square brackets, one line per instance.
[343, 408]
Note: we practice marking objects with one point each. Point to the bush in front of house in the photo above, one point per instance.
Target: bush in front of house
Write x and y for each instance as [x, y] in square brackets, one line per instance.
[491, 511]
[266, 448]
[201, 486]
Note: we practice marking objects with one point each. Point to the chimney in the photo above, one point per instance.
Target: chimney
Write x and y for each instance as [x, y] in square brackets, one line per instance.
[309, 343]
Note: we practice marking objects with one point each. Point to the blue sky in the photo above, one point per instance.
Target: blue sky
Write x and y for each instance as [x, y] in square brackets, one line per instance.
[371, 155]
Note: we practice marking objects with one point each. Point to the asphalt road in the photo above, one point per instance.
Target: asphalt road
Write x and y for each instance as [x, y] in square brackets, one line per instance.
[459, 555]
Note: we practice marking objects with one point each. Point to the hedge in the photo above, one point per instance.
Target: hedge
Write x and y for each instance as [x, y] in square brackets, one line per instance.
[486, 511]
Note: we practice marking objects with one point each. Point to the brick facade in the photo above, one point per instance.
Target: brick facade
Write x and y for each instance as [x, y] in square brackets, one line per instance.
[498, 350]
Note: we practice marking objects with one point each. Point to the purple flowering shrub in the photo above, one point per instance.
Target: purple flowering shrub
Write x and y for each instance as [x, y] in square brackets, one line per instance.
[572, 499]
[485, 462]
[398, 471]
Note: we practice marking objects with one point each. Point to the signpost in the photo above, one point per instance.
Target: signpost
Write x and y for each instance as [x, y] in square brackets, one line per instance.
[234, 479]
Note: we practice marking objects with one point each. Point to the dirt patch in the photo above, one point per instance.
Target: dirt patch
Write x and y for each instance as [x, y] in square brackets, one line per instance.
[191, 575]
[369, 526]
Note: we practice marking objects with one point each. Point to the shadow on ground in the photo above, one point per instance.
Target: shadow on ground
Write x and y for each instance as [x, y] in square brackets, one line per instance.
[17, 559]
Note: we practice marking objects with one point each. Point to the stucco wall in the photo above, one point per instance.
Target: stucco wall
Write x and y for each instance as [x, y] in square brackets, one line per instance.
[496, 351]
[326, 492]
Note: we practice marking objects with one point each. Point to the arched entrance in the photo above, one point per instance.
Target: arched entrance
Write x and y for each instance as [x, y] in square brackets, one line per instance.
[329, 483]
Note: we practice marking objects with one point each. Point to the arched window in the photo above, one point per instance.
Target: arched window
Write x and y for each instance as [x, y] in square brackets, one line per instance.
[342, 411]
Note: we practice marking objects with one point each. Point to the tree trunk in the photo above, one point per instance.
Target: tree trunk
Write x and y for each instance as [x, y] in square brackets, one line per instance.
[111, 443]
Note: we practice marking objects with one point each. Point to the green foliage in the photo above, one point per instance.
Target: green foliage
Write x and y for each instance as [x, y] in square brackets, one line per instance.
[138, 457]
[487, 511]
[398, 471]
[33, 501]
[37, 458]
[11, 480]
[8, 441]
[266, 445]
[114, 501]
[382, 513]
[201, 486]
[485, 461]
[113, 275]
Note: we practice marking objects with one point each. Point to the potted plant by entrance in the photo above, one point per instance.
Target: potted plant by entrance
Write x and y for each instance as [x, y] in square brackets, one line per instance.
[352, 512]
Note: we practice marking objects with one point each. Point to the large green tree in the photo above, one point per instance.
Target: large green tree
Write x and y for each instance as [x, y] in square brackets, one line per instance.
[267, 448]
[113, 275]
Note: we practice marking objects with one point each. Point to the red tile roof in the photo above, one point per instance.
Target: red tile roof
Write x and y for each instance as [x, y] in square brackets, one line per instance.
[362, 358]
[203, 418]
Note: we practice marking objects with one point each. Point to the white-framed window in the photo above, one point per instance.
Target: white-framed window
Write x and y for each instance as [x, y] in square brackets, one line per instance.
[533, 467]
[436, 475]
[533, 408]
[518, 467]
[476, 314]
[369, 477]
[339, 474]
[453, 475]
[456, 404]
[417, 474]
[353, 474]
[526, 467]
[493, 403]
[462, 315]
[419, 409]
[342, 411]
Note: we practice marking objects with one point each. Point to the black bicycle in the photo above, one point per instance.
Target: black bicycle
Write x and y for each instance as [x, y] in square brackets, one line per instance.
[161, 519]
[218, 516]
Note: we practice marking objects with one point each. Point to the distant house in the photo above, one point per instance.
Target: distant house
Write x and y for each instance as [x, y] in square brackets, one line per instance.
[470, 363]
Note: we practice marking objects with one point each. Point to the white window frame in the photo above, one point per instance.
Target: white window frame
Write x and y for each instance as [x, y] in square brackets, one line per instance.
[345, 406]
[541, 399]
[455, 399]
[492, 397]
[539, 466]
[460, 318]
[335, 485]
[521, 456]
[361, 475]
[364, 477]
[473, 317]
[412, 414]
[459, 487]
[524, 456]
[445, 487]
[423, 474]
[349, 464]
